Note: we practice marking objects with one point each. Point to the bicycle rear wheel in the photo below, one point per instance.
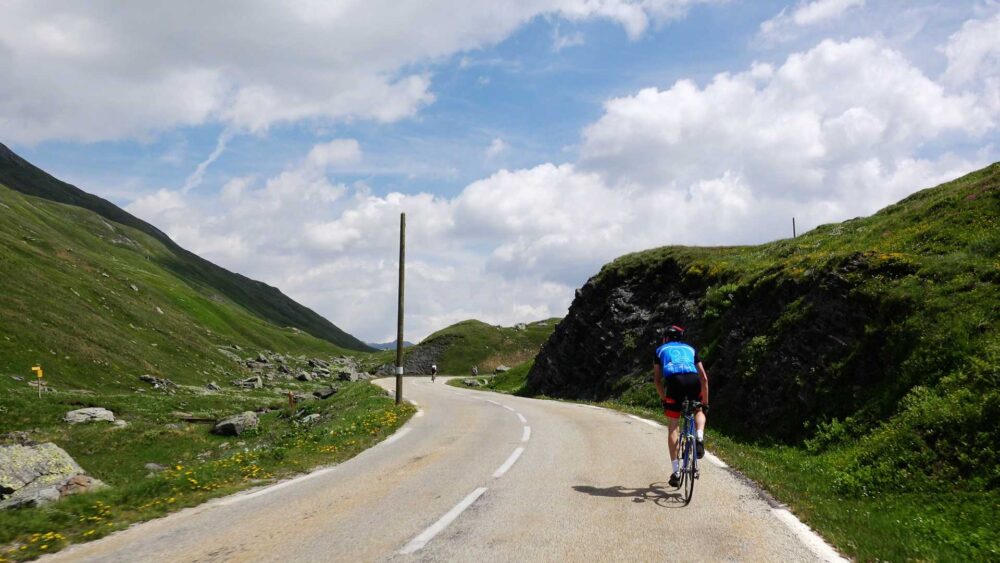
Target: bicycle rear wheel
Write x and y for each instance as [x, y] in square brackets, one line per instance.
[688, 470]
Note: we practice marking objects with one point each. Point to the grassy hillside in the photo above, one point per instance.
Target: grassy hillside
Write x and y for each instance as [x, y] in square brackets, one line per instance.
[854, 369]
[92, 302]
[460, 346]
[258, 298]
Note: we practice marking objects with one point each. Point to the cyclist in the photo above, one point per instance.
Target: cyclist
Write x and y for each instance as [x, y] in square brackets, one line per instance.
[679, 374]
[434, 371]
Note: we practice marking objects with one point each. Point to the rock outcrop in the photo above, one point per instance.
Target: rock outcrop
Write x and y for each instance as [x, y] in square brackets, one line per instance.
[419, 359]
[40, 474]
[774, 347]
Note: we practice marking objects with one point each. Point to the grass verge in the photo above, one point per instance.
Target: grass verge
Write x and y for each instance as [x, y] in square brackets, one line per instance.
[199, 465]
[510, 382]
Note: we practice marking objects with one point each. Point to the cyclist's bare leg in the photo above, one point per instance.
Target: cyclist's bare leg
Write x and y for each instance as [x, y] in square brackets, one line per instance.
[699, 421]
[673, 436]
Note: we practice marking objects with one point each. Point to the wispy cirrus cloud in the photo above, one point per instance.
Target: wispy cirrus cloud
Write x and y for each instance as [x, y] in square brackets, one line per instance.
[789, 21]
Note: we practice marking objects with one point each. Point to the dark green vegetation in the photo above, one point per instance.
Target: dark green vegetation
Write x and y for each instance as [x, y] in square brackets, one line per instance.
[199, 465]
[854, 369]
[457, 348]
[257, 298]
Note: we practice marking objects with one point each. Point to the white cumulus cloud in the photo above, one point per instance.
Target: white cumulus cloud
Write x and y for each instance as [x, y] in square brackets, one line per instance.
[91, 71]
[829, 133]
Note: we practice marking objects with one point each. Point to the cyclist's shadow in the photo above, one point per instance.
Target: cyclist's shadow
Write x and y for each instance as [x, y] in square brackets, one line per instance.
[656, 493]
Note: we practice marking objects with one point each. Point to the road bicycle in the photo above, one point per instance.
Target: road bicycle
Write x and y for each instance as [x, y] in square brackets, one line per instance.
[687, 449]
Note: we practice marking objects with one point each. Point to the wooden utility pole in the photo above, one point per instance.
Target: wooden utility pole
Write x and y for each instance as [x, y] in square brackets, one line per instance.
[793, 227]
[399, 320]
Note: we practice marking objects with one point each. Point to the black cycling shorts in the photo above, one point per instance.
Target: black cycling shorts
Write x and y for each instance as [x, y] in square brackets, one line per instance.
[680, 386]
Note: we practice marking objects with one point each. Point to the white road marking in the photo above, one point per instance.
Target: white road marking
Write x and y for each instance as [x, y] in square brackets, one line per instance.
[808, 537]
[436, 528]
[414, 403]
[493, 402]
[521, 418]
[592, 407]
[718, 462]
[278, 486]
[527, 434]
[645, 421]
[419, 414]
[508, 464]
[511, 409]
[396, 436]
[261, 492]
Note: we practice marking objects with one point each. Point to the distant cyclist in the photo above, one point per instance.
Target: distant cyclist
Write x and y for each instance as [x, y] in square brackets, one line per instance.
[434, 371]
[679, 374]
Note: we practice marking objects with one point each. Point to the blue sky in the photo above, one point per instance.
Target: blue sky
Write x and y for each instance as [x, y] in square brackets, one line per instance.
[529, 141]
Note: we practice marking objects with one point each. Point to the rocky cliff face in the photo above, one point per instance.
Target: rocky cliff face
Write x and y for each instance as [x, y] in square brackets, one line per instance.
[782, 352]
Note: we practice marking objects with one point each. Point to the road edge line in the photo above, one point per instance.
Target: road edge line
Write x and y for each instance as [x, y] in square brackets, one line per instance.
[813, 541]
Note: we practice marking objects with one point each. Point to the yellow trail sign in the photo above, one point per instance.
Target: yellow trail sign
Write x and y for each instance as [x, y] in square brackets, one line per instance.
[38, 372]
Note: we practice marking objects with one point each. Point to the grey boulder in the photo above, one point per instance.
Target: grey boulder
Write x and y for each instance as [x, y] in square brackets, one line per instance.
[236, 424]
[249, 383]
[157, 382]
[37, 475]
[325, 393]
[347, 375]
[90, 414]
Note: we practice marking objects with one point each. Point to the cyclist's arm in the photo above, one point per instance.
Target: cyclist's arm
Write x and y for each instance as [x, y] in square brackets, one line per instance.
[704, 382]
[658, 381]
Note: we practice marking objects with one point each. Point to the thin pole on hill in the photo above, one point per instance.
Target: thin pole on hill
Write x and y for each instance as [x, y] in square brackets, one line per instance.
[399, 320]
[793, 227]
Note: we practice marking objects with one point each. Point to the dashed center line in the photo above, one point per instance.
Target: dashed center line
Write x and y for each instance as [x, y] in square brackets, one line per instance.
[427, 535]
[509, 463]
[435, 528]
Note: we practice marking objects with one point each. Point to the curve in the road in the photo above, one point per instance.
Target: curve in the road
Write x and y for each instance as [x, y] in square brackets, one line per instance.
[468, 478]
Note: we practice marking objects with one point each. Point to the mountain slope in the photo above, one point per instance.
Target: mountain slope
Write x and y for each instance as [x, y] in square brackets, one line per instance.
[261, 299]
[875, 338]
[455, 349]
[93, 303]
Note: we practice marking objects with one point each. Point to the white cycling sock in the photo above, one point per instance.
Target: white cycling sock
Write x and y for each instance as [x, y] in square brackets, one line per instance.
[677, 466]
[701, 435]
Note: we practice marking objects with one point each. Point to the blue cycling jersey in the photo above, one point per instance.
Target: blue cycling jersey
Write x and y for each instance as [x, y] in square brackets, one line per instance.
[677, 357]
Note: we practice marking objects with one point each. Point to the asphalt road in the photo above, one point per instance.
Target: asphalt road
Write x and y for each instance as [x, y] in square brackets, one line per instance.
[478, 476]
